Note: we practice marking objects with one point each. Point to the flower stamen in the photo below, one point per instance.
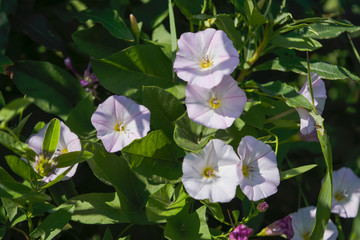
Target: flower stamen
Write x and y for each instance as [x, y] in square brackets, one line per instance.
[215, 102]
[120, 127]
[206, 62]
[340, 196]
[208, 172]
[44, 166]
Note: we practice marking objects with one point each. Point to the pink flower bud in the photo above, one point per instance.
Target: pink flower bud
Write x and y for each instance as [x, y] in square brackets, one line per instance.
[262, 207]
[241, 232]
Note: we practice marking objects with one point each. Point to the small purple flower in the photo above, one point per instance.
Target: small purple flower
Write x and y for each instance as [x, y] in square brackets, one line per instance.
[346, 193]
[119, 120]
[241, 232]
[68, 142]
[307, 122]
[215, 107]
[87, 78]
[280, 227]
[258, 172]
[262, 207]
[205, 57]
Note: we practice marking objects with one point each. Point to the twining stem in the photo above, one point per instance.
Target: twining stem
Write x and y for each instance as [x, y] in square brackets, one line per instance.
[280, 115]
[256, 55]
[21, 231]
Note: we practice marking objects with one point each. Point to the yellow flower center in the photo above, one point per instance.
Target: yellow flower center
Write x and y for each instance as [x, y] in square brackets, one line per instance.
[119, 127]
[306, 236]
[64, 150]
[43, 166]
[215, 102]
[340, 196]
[208, 172]
[246, 170]
[205, 62]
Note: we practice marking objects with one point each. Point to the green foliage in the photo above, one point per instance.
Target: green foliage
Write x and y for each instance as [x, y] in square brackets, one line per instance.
[125, 72]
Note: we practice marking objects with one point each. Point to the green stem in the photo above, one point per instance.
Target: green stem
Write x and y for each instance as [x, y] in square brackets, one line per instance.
[340, 229]
[280, 115]
[21, 231]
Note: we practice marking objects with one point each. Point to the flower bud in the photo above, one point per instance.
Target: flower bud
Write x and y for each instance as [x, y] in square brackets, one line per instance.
[241, 232]
[262, 207]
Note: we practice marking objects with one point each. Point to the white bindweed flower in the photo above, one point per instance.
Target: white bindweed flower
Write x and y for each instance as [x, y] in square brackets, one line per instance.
[215, 107]
[346, 193]
[303, 222]
[119, 121]
[205, 57]
[307, 122]
[211, 174]
[68, 142]
[257, 170]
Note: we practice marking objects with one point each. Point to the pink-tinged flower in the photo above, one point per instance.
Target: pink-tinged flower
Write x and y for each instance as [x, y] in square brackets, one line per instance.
[311, 137]
[278, 228]
[205, 57]
[262, 207]
[303, 222]
[241, 232]
[68, 142]
[346, 193]
[215, 107]
[307, 122]
[119, 120]
[211, 174]
[257, 170]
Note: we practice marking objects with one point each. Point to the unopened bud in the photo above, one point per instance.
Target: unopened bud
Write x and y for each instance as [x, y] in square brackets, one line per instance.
[262, 207]
[134, 26]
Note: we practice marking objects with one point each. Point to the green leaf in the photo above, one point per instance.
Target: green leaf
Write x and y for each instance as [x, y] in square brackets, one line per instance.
[97, 208]
[162, 37]
[72, 158]
[57, 179]
[226, 23]
[253, 15]
[189, 7]
[53, 224]
[4, 63]
[254, 115]
[10, 207]
[284, 175]
[192, 136]
[154, 155]
[14, 108]
[164, 108]
[5, 176]
[51, 138]
[114, 170]
[17, 130]
[19, 192]
[79, 119]
[125, 72]
[54, 90]
[151, 19]
[107, 234]
[10, 142]
[326, 30]
[297, 43]
[291, 97]
[98, 42]
[110, 19]
[164, 203]
[21, 168]
[185, 226]
[38, 29]
[215, 209]
[298, 65]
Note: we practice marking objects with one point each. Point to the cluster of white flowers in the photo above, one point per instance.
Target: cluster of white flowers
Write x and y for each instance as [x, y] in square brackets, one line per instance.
[213, 99]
